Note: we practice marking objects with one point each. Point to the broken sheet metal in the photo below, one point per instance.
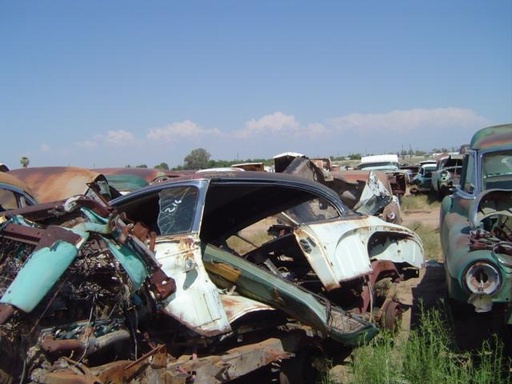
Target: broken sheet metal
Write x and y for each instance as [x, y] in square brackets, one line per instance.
[82, 298]
[47, 263]
[196, 301]
[369, 193]
[156, 366]
[364, 191]
[343, 254]
[236, 362]
[329, 320]
[65, 289]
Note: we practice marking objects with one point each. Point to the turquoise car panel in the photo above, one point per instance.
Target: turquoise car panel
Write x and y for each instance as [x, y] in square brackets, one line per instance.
[39, 274]
[258, 284]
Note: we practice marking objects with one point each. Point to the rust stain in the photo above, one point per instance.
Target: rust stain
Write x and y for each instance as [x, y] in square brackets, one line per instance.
[56, 183]
[10, 179]
[226, 271]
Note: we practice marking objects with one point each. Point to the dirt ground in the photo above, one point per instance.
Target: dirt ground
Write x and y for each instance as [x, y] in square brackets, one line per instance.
[429, 217]
[429, 288]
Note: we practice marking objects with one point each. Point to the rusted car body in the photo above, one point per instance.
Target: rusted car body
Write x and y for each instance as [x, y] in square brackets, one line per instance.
[366, 192]
[410, 171]
[422, 182]
[79, 302]
[277, 222]
[14, 193]
[69, 273]
[57, 183]
[446, 175]
[398, 178]
[128, 179]
[203, 278]
[230, 205]
[476, 225]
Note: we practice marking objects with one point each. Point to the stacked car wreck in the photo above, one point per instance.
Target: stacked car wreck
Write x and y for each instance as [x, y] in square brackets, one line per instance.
[201, 279]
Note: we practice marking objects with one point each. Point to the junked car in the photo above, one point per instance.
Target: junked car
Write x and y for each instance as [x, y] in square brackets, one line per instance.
[389, 164]
[70, 271]
[447, 174]
[208, 276]
[298, 230]
[422, 182]
[56, 183]
[81, 295]
[364, 191]
[476, 226]
[128, 179]
[14, 193]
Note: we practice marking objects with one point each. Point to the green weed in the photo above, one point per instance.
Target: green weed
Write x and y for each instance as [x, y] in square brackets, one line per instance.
[428, 356]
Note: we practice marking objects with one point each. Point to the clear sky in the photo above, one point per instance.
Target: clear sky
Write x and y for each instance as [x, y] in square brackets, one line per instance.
[115, 83]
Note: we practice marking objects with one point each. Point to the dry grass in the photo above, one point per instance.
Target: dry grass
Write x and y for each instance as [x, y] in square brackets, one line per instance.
[430, 238]
[419, 202]
[428, 233]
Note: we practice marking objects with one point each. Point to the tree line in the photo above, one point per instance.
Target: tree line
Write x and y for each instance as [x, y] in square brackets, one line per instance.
[200, 158]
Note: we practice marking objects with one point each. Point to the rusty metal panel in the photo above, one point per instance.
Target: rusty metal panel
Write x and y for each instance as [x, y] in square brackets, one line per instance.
[342, 250]
[56, 183]
[256, 283]
[196, 302]
[496, 136]
[237, 306]
[235, 363]
[11, 179]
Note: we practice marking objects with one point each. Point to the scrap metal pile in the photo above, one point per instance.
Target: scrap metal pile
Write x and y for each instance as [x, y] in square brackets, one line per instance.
[74, 278]
[91, 292]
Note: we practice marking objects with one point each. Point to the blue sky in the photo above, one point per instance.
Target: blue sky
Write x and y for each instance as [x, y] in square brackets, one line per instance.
[112, 83]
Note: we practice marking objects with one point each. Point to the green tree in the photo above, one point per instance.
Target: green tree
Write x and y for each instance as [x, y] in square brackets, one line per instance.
[354, 156]
[162, 166]
[24, 161]
[197, 159]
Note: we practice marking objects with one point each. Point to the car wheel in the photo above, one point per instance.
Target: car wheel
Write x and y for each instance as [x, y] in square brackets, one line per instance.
[392, 317]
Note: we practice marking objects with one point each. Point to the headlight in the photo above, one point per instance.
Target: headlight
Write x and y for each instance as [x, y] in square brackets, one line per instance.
[482, 277]
[445, 175]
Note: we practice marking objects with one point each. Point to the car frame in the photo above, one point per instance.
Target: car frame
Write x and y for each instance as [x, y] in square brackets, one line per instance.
[228, 203]
[474, 226]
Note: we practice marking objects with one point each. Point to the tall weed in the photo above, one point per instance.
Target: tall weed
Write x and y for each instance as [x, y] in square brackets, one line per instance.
[428, 356]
